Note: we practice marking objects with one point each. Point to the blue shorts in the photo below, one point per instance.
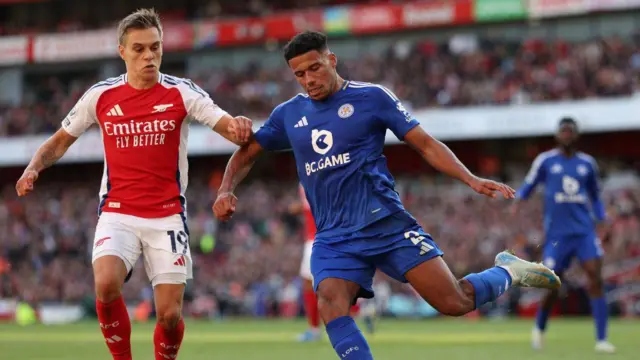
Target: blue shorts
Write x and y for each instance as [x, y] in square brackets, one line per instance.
[559, 251]
[395, 245]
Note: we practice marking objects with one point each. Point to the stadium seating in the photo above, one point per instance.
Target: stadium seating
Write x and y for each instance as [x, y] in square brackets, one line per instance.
[427, 75]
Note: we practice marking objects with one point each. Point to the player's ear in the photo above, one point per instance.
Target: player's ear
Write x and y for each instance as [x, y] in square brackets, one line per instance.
[333, 60]
[121, 51]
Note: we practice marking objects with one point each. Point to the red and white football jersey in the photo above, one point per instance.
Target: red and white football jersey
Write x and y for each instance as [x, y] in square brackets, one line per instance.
[309, 221]
[144, 133]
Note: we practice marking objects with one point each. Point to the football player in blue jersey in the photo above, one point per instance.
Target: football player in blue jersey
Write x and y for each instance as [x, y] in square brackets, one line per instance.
[574, 220]
[337, 131]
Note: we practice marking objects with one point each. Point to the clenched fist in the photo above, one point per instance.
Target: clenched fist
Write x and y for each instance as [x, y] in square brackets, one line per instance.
[25, 183]
[240, 128]
[225, 206]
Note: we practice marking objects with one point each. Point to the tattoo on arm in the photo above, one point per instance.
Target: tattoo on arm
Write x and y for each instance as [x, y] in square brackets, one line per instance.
[239, 166]
[50, 152]
[49, 157]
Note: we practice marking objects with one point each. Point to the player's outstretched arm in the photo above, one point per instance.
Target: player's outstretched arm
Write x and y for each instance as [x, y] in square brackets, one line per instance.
[237, 169]
[46, 155]
[443, 159]
[535, 176]
[237, 129]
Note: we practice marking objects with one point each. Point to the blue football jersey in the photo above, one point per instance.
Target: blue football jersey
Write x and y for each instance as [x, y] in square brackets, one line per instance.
[337, 144]
[572, 200]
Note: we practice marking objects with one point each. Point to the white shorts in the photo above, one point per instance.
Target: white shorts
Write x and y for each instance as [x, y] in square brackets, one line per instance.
[305, 267]
[163, 243]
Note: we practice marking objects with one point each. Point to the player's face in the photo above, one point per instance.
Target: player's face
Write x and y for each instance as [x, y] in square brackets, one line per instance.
[316, 73]
[142, 53]
[567, 135]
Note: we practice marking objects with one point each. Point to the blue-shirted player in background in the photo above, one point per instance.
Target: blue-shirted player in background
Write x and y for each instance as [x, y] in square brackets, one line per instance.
[574, 220]
[337, 131]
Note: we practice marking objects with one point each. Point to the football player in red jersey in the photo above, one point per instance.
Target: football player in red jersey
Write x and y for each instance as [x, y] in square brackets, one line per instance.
[309, 296]
[144, 118]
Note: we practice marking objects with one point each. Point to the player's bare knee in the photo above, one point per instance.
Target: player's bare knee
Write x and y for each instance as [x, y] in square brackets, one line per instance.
[168, 297]
[108, 288]
[109, 273]
[169, 316]
[334, 299]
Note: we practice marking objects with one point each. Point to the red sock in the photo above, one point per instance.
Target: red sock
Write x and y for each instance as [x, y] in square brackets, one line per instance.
[311, 308]
[167, 342]
[116, 327]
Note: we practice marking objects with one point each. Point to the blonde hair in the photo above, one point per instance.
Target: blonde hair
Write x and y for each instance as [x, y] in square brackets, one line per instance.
[140, 19]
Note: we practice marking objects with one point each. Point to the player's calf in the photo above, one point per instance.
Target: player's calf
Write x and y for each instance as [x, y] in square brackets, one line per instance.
[599, 308]
[595, 286]
[436, 284]
[169, 331]
[109, 274]
[335, 297]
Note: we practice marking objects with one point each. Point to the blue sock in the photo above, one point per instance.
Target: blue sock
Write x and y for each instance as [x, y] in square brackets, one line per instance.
[600, 315]
[489, 284]
[541, 319]
[347, 340]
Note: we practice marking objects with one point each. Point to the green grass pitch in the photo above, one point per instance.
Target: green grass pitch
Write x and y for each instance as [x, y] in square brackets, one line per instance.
[440, 339]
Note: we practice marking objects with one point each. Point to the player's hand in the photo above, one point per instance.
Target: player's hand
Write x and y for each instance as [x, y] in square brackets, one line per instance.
[225, 206]
[25, 183]
[240, 128]
[491, 188]
[603, 229]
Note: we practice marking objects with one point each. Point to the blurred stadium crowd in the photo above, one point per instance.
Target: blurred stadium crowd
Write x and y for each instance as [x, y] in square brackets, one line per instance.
[423, 74]
[252, 263]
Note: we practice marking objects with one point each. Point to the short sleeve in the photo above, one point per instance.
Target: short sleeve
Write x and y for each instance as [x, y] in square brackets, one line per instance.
[83, 114]
[272, 135]
[392, 113]
[200, 107]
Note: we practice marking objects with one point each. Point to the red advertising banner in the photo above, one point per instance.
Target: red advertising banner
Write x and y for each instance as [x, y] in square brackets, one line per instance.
[14, 50]
[375, 18]
[361, 19]
[386, 18]
[178, 36]
[437, 13]
[284, 26]
[75, 46]
[553, 8]
[465, 12]
[240, 31]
